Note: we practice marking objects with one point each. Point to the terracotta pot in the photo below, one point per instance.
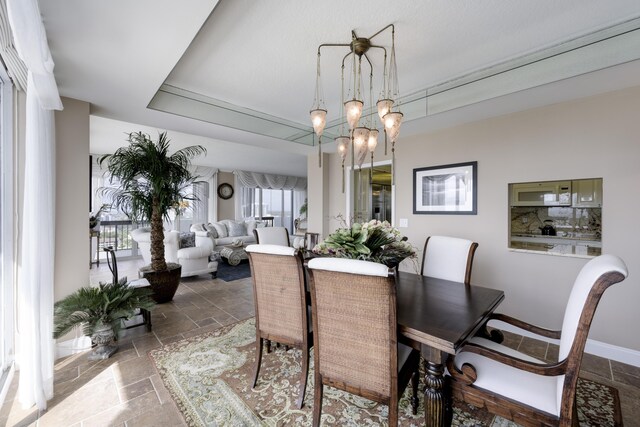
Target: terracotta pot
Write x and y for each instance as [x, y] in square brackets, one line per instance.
[164, 284]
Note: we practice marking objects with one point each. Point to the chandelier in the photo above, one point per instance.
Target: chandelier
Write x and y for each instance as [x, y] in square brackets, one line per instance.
[362, 136]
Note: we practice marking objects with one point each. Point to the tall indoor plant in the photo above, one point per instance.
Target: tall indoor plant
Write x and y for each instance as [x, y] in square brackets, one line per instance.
[151, 182]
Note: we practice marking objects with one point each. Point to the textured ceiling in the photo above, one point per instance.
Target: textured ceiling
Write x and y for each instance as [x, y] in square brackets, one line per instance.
[261, 56]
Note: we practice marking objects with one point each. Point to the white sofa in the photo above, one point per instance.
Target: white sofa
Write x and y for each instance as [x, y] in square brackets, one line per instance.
[225, 232]
[194, 260]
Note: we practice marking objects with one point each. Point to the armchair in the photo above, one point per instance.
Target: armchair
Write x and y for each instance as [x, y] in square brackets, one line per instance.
[194, 260]
[521, 388]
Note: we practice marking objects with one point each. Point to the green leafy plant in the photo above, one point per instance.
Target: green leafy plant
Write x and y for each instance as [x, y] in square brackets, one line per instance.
[151, 183]
[370, 241]
[94, 307]
[93, 219]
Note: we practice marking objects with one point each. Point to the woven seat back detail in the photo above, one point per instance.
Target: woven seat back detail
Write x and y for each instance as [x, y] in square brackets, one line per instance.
[354, 335]
[279, 296]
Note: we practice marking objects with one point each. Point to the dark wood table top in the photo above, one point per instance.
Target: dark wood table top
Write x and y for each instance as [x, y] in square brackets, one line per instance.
[440, 313]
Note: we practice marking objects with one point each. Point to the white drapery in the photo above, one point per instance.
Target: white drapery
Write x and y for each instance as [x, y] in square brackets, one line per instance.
[271, 181]
[210, 176]
[35, 283]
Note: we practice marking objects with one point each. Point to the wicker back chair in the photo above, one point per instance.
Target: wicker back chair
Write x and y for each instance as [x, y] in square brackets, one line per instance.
[355, 334]
[448, 258]
[521, 388]
[272, 236]
[280, 302]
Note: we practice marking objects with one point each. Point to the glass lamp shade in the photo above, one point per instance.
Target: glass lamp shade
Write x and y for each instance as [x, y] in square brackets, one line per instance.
[384, 106]
[360, 142]
[353, 110]
[373, 140]
[318, 120]
[342, 142]
[392, 122]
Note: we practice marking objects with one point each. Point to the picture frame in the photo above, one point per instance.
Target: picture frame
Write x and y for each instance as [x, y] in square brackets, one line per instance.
[446, 189]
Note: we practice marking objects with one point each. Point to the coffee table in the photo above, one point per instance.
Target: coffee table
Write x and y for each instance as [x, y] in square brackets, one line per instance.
[234, 254]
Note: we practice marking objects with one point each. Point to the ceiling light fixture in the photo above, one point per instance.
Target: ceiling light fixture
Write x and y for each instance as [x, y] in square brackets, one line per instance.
[361, 139]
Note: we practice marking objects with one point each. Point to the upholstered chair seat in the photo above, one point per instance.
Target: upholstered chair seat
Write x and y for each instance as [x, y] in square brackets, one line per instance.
[448, 258]
[272, 236]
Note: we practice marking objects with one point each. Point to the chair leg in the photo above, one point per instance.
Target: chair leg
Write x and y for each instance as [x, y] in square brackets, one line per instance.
[258, 360]
[146, 316]
[268, 346]
[303, 376]
[393, 411]
[415, 377]
[317, 400]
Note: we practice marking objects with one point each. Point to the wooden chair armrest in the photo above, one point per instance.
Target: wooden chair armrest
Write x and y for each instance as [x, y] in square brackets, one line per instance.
[548, 333]
[467, 373]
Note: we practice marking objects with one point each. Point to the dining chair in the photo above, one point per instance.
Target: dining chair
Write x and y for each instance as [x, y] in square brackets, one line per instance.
[356, 345]
[112, 263]
[448, 258]
[280, 303]
[521, 388]
[272, 236]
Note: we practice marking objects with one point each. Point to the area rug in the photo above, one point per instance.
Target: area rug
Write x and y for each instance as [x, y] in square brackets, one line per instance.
[209, 377]
[229, 273]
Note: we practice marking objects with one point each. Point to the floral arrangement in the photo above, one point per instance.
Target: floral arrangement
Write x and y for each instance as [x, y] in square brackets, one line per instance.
[370, 241]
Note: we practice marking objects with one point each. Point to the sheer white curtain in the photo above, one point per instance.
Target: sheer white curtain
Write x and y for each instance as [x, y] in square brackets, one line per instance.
[35, 283]
[207, 208]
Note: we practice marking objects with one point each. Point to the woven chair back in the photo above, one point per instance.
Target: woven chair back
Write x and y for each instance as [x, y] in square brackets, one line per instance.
[355, 329]
[280, 301]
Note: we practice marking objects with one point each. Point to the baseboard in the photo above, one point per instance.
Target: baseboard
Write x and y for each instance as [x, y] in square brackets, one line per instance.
[597, 348]
[72, 346]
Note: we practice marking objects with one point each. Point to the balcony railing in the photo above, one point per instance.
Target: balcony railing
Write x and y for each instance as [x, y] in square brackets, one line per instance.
[118, 235]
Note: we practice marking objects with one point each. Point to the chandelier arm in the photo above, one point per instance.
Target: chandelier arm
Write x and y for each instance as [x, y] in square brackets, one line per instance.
[388, 26]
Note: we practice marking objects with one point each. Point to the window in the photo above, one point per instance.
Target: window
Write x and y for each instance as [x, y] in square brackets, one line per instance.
[280, 206]
[7, 255]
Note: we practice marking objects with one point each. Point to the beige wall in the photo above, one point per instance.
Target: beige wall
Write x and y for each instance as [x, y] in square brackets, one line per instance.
[72, 197]
[318, 194]
[593, 137]
[226, 208]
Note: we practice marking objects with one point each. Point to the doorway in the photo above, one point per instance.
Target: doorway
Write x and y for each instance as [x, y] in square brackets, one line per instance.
[371, 193]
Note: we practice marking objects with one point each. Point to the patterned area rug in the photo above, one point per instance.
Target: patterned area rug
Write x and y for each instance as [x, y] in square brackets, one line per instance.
[229, 273]
[209, 377]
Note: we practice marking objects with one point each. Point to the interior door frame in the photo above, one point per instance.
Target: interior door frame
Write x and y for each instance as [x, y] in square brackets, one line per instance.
[348, 190]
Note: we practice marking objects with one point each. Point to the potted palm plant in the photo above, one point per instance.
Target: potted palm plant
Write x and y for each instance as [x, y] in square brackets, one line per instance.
[151, 183]
[100, 310]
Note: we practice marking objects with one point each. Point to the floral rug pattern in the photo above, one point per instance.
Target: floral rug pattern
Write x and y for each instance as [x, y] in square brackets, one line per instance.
[209, 376]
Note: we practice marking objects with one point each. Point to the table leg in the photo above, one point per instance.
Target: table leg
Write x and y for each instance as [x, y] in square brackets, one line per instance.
[437, 401]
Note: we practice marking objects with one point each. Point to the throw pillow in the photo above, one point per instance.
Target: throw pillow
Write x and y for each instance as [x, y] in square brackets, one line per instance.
[198, 227]
[187, 240]
[251, 225]
[237, 229]
[221, 229]
[212, 230]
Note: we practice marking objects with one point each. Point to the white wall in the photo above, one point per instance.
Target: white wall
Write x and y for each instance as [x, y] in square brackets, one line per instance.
[592, 137]
[72, 198]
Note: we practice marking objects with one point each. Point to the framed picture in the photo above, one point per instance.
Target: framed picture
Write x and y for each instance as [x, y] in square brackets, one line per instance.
[447, 189]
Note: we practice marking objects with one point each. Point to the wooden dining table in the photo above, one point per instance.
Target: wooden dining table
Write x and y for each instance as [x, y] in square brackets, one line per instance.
[437, 317]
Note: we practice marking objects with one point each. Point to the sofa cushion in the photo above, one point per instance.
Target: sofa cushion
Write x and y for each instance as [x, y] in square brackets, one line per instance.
[222, 241]
[236, 229]
[221, 229]
[212, 230]
[198, 227]
[187, 240]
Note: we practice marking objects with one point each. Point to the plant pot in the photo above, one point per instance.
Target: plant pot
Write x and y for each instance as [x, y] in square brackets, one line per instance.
[105, 346]
[164, 284]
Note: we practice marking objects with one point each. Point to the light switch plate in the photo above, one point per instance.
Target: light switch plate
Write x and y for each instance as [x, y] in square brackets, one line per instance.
[404, 222]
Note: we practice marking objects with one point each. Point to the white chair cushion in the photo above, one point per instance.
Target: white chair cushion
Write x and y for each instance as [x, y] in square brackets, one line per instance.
[353, 266]
[446, 258]
[273, 236]
[271, 249]
[534, 390]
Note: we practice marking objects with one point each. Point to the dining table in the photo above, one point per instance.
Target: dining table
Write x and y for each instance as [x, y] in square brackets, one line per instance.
[437, 317]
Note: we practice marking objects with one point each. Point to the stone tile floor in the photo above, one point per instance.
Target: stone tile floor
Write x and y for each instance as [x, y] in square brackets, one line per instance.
[125, 390]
